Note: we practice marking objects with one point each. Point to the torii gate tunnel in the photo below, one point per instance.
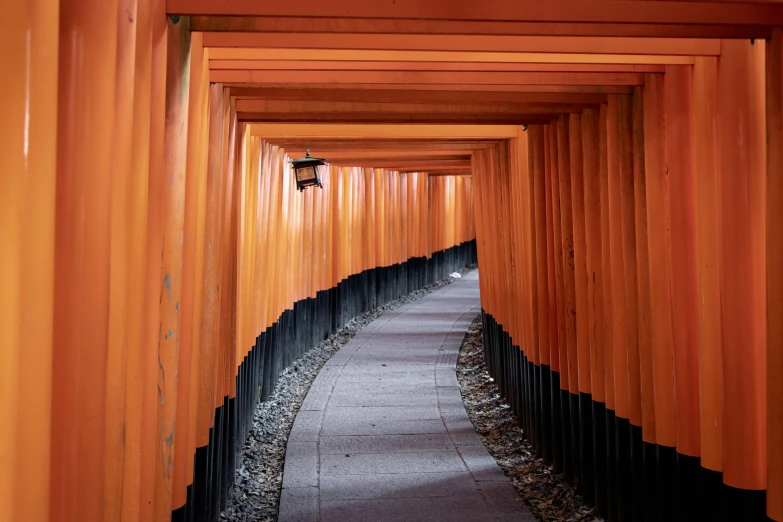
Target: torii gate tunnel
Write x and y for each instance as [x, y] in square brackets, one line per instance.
[615, 165]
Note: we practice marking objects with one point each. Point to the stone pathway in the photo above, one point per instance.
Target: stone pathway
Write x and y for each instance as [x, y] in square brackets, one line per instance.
[383, 434]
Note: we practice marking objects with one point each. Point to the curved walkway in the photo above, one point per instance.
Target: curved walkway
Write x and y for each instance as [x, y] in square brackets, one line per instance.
[383, 434]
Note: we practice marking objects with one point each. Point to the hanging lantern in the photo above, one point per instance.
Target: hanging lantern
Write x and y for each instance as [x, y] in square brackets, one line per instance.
[306, 171]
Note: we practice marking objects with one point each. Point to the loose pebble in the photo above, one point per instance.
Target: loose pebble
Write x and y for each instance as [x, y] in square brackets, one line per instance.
[549, 497]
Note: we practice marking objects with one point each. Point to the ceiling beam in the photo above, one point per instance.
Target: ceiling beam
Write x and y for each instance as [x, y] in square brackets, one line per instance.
[355, 155]
[315, 65]
[468, 43]
[268, 24]
[385, 55]
[305, 107]
[420, 165]
[425, 77]
[419, 96]
[397, 118]
[589, 11]
[329, 144]
[271, 131]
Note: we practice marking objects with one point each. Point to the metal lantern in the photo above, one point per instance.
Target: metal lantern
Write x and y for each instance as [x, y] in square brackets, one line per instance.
[306, 171]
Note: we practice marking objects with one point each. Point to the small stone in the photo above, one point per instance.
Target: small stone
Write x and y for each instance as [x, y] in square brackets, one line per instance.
[549, 498]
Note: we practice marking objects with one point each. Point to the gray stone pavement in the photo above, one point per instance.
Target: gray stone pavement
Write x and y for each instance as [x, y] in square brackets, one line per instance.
[383, 435]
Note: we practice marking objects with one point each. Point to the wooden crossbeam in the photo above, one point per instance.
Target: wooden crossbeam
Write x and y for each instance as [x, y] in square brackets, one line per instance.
[420, 165]
[425, 77]
[562, 11]
[398, 118]
[409, 96]
[269, 24]
[304, 107]
[327, 145]
[457, 87]
[272, 131]
[467, 43]
[328, 65]
[386, 55]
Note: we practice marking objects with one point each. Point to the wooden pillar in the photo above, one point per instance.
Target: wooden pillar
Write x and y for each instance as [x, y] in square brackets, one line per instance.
[706, 192]
[619, 443]
[679, 164]
[625, 156]
[642, 435]
[151, 320]
[774, 262]
[178, 68]
[742, 158]
[541, 282]
[123, 280]
[85, 120]
[543, 285]
[192, 271]
[557, 311]
[660, 295]
[586, 484]
[570, 402]
[609, 461]
[595, 298]
[28, 157]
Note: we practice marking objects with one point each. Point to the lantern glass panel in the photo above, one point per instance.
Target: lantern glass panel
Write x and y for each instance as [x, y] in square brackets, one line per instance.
[307, 173]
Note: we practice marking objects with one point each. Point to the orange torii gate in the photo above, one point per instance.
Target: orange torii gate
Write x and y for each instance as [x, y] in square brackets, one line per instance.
[622, 157]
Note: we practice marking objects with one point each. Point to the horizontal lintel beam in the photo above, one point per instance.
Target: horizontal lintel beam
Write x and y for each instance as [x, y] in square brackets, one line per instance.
[272, 24]
[327, 145]
[385, 55]
[369, 131]
[586, 11]
[424, 77]
[315, 65]
[397, 118]
[417, 93]
[468, 43]
[305, 107]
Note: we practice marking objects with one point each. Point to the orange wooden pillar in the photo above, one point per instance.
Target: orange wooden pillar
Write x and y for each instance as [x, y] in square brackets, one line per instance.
[151, 319]
[643, 424]
[584, 396]
[679, 163]
[608, 315]
[571, 419]
[192, 273]
[139, 193]
[658, 227]
[538, 156]
[28, 146]
[743, 274]
[560, 406]
[124, 278]
[529, 245]
[643, 411]
[81, 278]
[595, 299]
[171, 259]
[550, 370]
[207, 338]
[708, 237]
[617, 427]
[774, 261]
[629, 436]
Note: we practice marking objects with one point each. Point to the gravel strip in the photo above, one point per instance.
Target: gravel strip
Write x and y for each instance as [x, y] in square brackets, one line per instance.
[549, 497]
[259, 480]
